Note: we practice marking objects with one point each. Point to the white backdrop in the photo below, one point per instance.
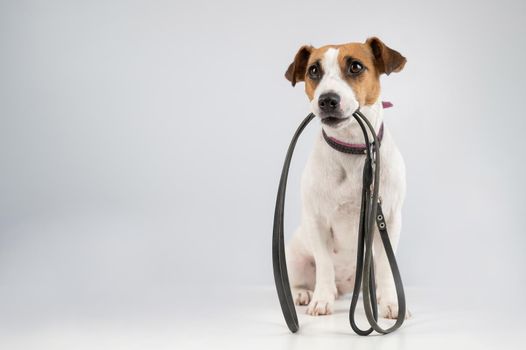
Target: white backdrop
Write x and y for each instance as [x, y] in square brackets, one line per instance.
[141, 144]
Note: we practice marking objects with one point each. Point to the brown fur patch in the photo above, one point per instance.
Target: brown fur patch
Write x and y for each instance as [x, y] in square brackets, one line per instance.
[376, 57]
[366, 86]
[315, 56]
[387, 60]
[296, 70]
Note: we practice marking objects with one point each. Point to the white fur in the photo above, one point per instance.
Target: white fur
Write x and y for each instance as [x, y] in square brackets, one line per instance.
[322, 254]
[332, 81]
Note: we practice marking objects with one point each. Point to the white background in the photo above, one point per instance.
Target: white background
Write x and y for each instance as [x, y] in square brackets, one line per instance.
[141, 144]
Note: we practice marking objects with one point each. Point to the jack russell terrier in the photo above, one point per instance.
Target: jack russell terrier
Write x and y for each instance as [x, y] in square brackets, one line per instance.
[321, 256]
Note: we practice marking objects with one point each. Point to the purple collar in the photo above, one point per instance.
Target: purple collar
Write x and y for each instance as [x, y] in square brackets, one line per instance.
[354, 148]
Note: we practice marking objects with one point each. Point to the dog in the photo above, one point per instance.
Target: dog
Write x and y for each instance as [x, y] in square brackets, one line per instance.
[321, 256]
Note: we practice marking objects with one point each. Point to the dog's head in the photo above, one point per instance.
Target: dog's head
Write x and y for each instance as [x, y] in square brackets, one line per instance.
[340, 78]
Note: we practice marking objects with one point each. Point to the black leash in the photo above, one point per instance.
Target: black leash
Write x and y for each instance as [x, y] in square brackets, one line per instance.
[370, 213]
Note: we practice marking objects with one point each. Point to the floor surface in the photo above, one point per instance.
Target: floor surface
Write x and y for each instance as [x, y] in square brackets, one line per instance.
[250, 318]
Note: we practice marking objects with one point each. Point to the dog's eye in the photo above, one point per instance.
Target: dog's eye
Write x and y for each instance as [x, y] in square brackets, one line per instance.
[355, 67]
[314, 72]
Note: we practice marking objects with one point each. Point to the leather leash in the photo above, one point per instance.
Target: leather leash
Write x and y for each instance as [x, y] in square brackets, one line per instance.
[370, 213]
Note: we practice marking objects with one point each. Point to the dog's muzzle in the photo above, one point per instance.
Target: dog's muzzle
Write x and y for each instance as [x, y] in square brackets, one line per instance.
[329, 102]
[330, 111]
[332, 121]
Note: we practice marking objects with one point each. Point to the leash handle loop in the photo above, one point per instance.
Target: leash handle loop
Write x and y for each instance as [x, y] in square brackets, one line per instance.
[370, 213]
[281, 277]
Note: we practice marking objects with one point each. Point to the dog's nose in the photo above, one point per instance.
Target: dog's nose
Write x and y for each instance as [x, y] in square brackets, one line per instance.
[329, 101]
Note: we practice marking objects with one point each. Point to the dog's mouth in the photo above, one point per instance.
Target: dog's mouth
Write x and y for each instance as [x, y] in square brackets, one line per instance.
[333, 121]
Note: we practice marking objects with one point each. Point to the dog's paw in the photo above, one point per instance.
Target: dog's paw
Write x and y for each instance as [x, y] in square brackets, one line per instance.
[301, 296]
[390, 310]
[321, 304]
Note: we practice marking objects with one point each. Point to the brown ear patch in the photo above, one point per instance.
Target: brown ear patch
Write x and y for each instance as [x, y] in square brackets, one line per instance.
[386, 59]
[296, 70]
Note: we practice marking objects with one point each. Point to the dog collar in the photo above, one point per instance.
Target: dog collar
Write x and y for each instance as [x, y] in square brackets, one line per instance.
[351, 148]
[354, 148]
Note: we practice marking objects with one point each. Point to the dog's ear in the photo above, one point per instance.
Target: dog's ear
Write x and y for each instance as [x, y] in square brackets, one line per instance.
[386, 59]
[296, 70]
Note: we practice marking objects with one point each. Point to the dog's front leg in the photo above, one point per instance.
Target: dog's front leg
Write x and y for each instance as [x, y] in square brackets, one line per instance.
[321, 242]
